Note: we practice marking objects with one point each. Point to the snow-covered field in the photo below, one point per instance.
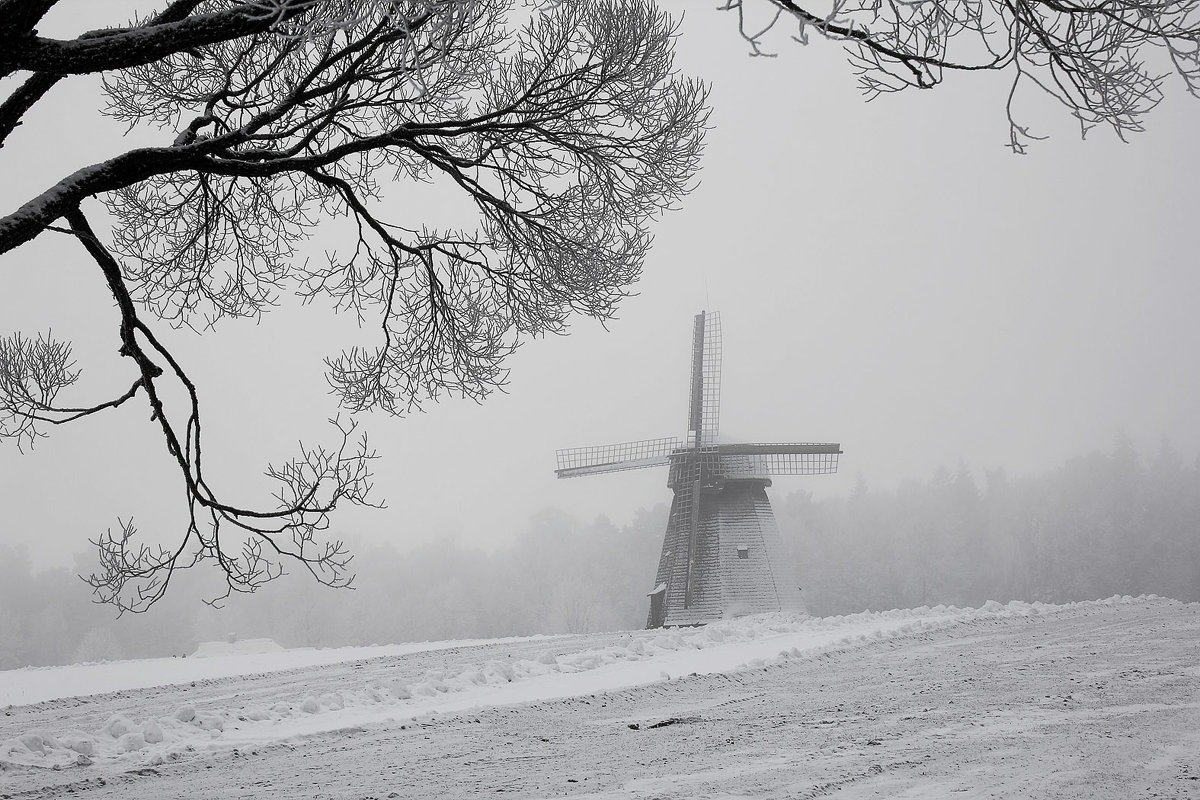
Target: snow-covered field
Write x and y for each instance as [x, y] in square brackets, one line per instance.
[929, 702]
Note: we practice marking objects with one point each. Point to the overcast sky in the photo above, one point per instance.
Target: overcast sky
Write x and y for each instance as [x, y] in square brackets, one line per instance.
[889, 277]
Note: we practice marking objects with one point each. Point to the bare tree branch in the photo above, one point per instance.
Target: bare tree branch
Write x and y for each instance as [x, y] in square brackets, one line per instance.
[568, 137]
[19, 22]
[118, 48]
[311, 486]
[19, 17]
[1093, 58]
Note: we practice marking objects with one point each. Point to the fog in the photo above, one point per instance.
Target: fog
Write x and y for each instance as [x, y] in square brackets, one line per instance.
[889, 276]
[1102, 524]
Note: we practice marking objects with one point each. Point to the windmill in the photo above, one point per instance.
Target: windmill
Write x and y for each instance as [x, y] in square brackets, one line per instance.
[721, 556]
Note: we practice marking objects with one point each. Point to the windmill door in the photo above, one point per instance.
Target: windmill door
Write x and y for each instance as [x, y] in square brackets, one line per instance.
[658, 608]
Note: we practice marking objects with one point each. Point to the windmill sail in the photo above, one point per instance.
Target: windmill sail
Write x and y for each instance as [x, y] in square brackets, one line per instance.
[711, 399]
[577, 461]
[696, 395]
[704, 406]
[765, 460]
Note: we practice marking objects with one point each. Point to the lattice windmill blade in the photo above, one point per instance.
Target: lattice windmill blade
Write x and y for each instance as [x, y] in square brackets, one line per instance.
[696, 387]
[577, 461]
[801, 458]
[710, 422]
[704, 407]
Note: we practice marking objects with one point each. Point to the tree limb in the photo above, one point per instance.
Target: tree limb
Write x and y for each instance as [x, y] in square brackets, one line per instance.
[120, 48]
[19, 17]
[24, 98]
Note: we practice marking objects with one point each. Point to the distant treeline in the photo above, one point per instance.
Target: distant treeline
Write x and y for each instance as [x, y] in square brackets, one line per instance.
[559, 576]
[1104, 524]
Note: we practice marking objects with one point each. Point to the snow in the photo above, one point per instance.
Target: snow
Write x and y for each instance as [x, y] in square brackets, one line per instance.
[237, 647]
[38, 684]
[628, 660]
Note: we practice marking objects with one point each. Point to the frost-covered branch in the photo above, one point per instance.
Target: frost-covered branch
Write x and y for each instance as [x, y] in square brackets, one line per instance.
[567, 129]
[1104, 62]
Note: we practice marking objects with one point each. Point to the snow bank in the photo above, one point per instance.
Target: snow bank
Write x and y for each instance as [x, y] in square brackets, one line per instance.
[38, 684]
[238, 647]
[633, 659]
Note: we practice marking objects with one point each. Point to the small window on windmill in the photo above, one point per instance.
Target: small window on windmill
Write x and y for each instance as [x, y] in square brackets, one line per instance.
[743, 551]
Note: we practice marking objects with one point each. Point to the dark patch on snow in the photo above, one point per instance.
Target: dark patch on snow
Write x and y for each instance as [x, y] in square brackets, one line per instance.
[664, 723]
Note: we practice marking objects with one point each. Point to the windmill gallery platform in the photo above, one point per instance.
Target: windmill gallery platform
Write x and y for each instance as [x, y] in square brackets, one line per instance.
[722, 555]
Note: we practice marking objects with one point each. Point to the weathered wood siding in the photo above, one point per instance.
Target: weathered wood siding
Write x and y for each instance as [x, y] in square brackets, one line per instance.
[738, 515]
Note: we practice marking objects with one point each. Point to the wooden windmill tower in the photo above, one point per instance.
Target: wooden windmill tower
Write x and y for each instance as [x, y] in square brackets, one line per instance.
[722, 556]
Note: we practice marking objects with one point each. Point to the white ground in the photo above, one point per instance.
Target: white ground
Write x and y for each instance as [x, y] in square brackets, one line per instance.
[1088, 700]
